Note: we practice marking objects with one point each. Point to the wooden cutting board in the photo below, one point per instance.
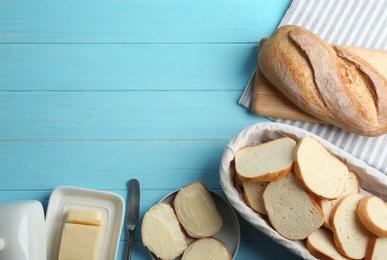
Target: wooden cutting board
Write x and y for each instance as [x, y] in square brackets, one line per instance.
[270, 102]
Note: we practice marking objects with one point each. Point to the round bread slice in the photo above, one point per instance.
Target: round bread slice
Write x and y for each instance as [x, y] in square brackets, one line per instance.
[252, 194]
[352, 186]
[161, 232]
[317, 170]
[377, 248]
[290, 209]
[321, 245]
[196, 210]
[207, 248]
[350, 235]
[372, 212]
[266, 161]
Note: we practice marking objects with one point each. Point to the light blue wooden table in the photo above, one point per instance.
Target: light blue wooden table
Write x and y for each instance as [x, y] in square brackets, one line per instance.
[94, 93]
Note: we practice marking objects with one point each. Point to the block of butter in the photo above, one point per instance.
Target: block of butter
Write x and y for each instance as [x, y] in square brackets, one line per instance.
[81, 235]
[84, 216]
[79, 242]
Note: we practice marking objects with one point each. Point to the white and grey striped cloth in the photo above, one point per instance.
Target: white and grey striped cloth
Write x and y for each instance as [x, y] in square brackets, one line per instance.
[361, 23]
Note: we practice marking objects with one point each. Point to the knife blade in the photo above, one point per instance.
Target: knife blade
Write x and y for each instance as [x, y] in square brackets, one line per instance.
[132, 214]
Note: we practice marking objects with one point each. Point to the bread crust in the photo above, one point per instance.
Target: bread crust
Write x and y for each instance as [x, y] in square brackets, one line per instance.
[326, 81]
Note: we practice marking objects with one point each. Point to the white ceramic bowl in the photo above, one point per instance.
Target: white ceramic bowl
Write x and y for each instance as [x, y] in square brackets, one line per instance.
[22, 230]
[371, 180]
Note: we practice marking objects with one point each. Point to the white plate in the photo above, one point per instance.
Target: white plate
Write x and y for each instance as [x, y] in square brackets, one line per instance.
[371, 180]
[229, 233]
[110, 204]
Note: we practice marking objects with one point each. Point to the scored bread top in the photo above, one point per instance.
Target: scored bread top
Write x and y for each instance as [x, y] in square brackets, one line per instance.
[350, 235]
[161, 232]
[196, 210]
[290, 209]
[372, 212]
[266, 161]
[319, 171]
[207, 248]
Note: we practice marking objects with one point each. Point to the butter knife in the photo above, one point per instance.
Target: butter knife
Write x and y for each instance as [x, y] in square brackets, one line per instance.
[132, 214]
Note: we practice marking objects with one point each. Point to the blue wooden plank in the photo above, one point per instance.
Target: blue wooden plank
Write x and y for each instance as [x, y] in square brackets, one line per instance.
[113, 67]
[127, 115]
[143, 21]
[165, 165]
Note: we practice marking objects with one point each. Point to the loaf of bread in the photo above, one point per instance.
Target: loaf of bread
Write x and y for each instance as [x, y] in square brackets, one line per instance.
[326, 81]
[265, 161]
[290, 209]
[352, 186]
[207, 248]
[317, 170]
[322, 246]
[196, 210]
[350, 236]
[372, 212]
[377, 248]
[161, 232]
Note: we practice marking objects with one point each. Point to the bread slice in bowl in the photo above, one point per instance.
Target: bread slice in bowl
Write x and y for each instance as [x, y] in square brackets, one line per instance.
[161, 232]
[207, 248]
[350, 235]
[291, 211]
[319, 171]
[253, 195]
[322, 246]
[372, 212]
[267, 161]
[196, 210]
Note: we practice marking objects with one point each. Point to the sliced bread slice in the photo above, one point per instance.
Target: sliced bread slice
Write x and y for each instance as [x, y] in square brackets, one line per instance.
[266, 161]
[372, 212]
[319, 171]
[252, 194]
[196, 210]
[321, 245]
[352, 186]
[207, 248]
[377, 248]
[290, 209]
[160, 224]
[350, 235]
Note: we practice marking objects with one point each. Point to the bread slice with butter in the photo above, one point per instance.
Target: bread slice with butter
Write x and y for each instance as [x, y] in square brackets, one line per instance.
[265, 162]
[207, 248]
[161, 232]
[196, 210]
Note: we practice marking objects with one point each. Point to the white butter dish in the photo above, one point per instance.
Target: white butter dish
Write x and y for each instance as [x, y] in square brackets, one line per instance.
[22, 230]
[64, 198]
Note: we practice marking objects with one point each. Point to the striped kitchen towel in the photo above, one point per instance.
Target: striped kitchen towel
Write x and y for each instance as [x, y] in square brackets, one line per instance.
[361, 23]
